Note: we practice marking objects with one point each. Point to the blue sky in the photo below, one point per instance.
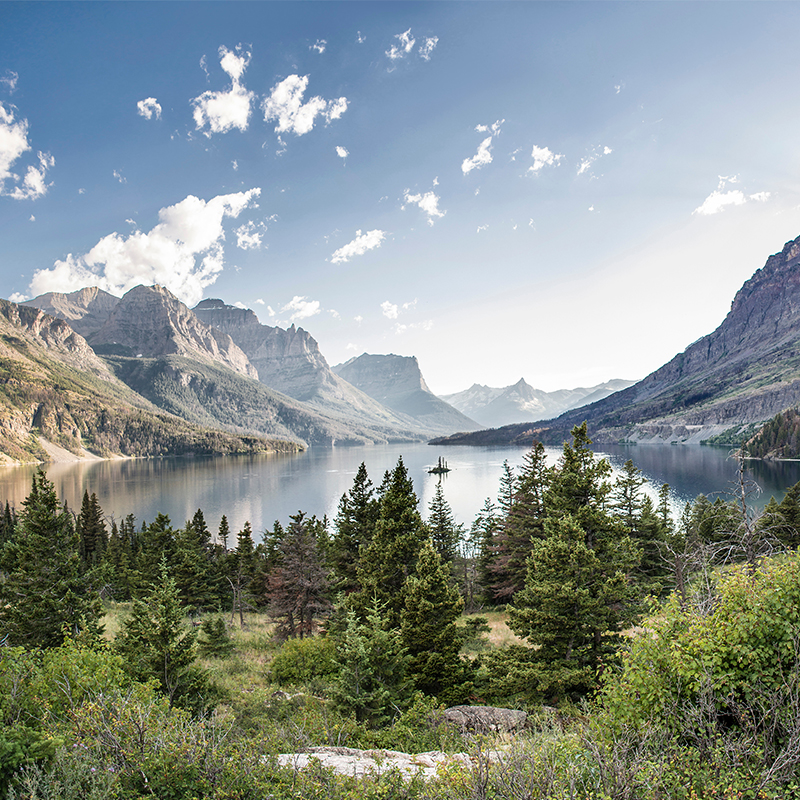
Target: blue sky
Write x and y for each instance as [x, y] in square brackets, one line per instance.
[567, 192]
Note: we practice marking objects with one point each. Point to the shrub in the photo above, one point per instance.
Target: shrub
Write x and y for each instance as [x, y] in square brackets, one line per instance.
[299, 662]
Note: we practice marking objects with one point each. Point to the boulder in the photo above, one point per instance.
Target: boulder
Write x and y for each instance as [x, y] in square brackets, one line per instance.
[486, 719]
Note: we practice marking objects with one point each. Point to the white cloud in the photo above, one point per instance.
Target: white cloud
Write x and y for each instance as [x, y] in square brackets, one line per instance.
[482, 228]
[405, 46]
[17, 297]
[428, 46]
[335, 314]
[32, 218]
[719, 198]
[401, 328]
[390, 310]
[13, 143]
[428, 202]
[319, 46]
[285, 105]
[587, 162]
[239, 304]
[248, 237]
[359, 318]
[149, 108]
[301, 308]
[480, 159]
[182, 252]
[544, 157]
[484, 154]
[360, 38]
[222, 111]
[119, 176]
[271, 311]
[235, 165]
[363, 242]
[342, 152]
[81, 191]
[10, 80]
[351, 346]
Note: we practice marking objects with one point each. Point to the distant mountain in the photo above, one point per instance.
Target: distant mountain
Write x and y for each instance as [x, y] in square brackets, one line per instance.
[59, 399]
[397, 382]
[290, 362]
[521, 402]
[739, 376]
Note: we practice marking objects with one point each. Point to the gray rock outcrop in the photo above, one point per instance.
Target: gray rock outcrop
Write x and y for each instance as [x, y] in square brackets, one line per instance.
[486, 719]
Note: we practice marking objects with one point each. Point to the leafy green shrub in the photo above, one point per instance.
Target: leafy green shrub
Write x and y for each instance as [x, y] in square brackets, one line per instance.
[301, 661]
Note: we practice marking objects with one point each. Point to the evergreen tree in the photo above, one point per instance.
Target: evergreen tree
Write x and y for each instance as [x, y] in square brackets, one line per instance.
[484, 529]
[91, 529]
[156, 643]
[444, 533]
[121, 558]
[224, 533]
[45, 594]
[789, 510]
[192, 570]
[242, 563]
[392, 554]
[354, 527]
[156, 543]
[370, 680]
[215, 640]
[298, 586]
[429, 632]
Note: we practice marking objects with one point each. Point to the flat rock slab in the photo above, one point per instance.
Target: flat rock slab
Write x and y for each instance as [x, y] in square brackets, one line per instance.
[358, 763]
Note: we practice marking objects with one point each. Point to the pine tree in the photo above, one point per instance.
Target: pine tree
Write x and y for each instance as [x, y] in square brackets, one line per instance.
[354, 528]
[298, 586]
[370, 681]
[242, 563]
[192, 570]
[444, 532]
[156, 643]
[91, 529]
[45, 593]
[392, 554]
[216, 641]
[483, 531]
[156, 542]
[429, 632]
[224, 533]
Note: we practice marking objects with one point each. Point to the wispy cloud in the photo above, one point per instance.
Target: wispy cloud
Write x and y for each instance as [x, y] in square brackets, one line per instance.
[405, 44]
[119, 176]
[428, 202]
[9, 80]
[285, 105]
[149, 108]
[319, 46]
[360, 245]
[543, 157]
[428, 46]
[390, 310]
[13, 143]
[586, 163]
[222, 111]
[342, 152]
[248, 236]
[183, 252]
[484, 154]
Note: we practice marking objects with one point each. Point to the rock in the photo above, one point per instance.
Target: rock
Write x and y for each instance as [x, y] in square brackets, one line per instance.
[486, 719]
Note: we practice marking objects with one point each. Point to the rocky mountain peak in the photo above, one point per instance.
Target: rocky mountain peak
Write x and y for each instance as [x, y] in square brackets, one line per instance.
[86, 310]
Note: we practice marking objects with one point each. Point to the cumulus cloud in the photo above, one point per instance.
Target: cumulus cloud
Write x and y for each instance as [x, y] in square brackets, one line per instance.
[428, 202]
[390, 310]
[301, 308]
[363, 242]
[222, 111]
[182, 252]
[586, 163]
[719, 199]
[13, 143]
[319, 46]
[342, 152]
[543, 157]
[484, 154]
[10, 80]
[404, 46]
[428, 46]
[149, 108]
[248, 237]
[285, 105]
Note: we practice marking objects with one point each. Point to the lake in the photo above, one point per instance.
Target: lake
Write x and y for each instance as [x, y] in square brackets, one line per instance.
[261, 489]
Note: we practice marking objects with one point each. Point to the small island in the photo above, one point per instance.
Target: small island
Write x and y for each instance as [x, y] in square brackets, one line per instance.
[440, 469]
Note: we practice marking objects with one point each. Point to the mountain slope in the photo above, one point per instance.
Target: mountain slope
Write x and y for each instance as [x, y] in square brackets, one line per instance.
[55, 391]
[745, 372]
[397, 382]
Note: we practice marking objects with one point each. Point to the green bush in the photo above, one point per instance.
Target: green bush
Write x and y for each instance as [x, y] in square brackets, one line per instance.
[300, 662]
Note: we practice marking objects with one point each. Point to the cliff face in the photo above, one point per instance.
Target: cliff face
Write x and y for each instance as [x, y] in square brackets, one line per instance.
[288, 361]
[745, 372]
[397, 382]
[85, 310]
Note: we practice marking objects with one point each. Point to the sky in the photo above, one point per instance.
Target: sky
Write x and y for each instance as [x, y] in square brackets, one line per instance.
[565, 192]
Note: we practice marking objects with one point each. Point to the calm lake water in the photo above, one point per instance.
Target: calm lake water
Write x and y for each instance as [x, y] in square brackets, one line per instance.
[261, 489]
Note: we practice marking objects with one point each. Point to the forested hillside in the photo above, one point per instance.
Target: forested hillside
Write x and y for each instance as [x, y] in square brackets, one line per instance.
[373, 627]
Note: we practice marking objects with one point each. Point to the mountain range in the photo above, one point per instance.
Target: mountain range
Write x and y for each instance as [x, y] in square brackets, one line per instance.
[729, 382]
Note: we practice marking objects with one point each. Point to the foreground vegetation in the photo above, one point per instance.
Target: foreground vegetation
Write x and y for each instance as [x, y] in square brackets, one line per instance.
[655, 658]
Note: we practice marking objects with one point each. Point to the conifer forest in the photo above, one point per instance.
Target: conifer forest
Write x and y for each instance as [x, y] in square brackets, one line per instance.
[654, 656]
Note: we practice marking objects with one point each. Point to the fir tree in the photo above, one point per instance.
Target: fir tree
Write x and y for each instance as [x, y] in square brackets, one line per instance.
[392, 554]
[45, 594]
[156, 543]
[224, 533]
[192, 570]
[91, 529]
[354, 527]
[242, 563]
[444, 532]
[429, 632]
[215, 640]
